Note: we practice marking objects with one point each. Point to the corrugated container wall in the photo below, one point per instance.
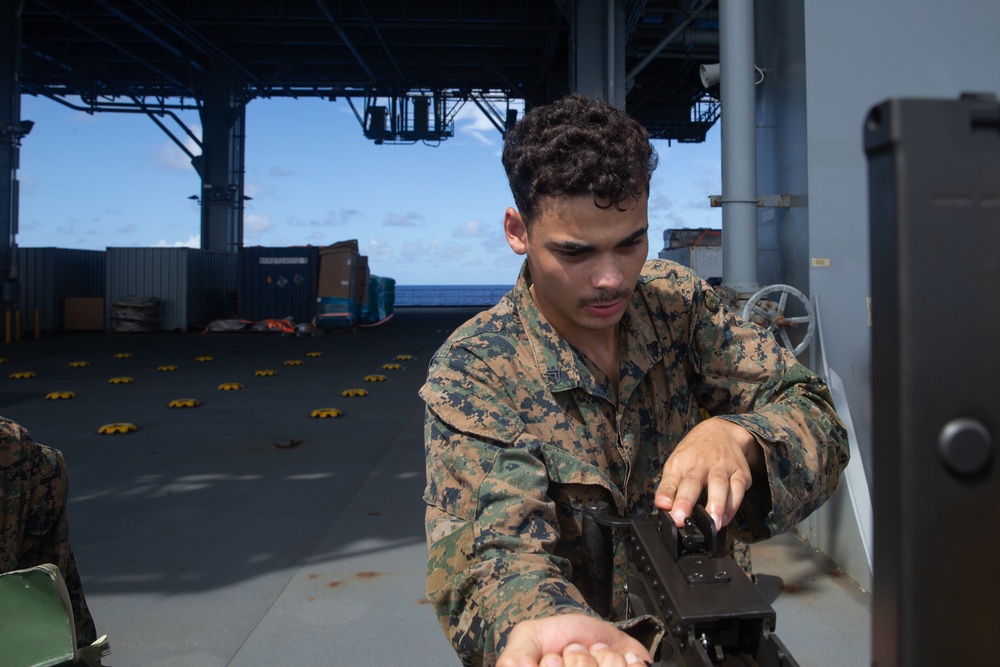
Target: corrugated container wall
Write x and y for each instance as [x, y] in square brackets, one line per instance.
[47, 276]
[278, 282]
[194, 286]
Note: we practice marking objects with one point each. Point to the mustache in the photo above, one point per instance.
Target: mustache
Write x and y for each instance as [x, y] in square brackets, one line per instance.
[605, 297]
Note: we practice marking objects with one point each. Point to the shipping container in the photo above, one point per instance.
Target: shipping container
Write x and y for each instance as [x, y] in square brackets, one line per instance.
[193, 286]
[706, 261]
[46, 277]
[278, 282]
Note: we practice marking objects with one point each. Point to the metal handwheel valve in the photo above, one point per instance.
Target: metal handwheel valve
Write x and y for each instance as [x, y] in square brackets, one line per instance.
[768, 312]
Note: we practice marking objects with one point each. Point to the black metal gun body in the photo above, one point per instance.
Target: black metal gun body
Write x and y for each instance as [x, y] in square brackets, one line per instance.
[712, 612]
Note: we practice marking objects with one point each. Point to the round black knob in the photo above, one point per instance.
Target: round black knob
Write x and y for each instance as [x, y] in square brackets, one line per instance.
[965, 446]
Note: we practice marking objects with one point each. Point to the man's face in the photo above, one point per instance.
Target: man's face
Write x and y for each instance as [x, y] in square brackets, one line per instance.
[584, 261]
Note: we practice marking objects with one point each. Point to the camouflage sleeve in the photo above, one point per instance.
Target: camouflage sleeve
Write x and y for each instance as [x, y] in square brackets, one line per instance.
[752, 381]
[34, 524]
[491, 527]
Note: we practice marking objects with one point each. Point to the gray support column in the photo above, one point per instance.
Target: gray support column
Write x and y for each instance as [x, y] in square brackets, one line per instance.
[223, 117]
[598, 50]
[739, 145]
[11, 132]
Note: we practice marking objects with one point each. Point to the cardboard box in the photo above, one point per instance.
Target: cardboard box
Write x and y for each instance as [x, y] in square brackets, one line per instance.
[83, 313]
[337, 272]
[343, 245]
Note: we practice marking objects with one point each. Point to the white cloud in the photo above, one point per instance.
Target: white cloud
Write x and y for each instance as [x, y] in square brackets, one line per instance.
[280, 172]
[376, 247]
[434, 251]
[452, 251]
[496, 242]
[193, 241]
[332, 218]
[256, 190]
[26, 183]
[410, 219]
[70, 228]
[169, 156]
[256, 224]
[472, 122]
[660, 202]
[474, 229]
[417, 250]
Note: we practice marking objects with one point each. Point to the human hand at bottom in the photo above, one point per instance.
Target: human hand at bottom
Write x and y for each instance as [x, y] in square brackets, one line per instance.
[571, 640]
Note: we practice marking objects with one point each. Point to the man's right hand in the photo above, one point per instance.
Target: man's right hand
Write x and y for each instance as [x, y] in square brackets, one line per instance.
[571, 640]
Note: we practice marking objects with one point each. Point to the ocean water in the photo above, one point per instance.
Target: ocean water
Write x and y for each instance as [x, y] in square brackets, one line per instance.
[450, 295]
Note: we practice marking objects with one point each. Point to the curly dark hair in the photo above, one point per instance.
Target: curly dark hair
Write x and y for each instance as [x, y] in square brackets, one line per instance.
[577, 146]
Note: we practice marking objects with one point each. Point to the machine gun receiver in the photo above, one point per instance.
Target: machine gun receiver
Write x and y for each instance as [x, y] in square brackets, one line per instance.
[713, 614]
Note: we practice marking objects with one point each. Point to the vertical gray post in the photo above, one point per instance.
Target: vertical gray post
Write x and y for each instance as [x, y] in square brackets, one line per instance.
[223, 117]
[10, 116]
[597, 32]
[739, 145]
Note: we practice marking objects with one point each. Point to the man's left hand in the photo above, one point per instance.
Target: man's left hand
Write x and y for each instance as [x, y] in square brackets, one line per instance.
[716, 454]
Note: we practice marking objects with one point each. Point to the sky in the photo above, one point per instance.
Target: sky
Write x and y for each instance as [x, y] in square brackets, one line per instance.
[424, 215]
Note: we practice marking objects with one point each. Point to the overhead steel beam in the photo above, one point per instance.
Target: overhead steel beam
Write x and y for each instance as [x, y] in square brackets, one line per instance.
[117, 47]
[347, 42]
[378, 34]
[664, 43]
[632, 20]
[192, 37]
[146, 32]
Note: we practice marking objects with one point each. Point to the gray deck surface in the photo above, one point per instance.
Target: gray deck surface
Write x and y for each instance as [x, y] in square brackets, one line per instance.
[204, 540]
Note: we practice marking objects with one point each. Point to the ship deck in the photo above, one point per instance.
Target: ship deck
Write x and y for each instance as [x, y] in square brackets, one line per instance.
[243, 532]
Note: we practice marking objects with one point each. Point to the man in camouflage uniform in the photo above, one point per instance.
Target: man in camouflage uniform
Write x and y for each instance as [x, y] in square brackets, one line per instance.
[599, 377]
[34, 526]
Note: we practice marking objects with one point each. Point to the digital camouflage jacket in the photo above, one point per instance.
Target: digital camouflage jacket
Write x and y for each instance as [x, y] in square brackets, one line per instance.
[522, 430]
[34, 525]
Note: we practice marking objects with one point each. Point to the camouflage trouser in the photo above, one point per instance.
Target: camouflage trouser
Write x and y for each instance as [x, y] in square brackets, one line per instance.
[34, 526]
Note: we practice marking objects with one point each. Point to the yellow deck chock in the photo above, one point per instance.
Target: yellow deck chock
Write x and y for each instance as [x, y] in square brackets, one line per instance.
[326, 413]
[79, 364]
[354, 392]
[204, 359]
[121, 380]
[266, 372]
[21, 375]
[391, 367]
[293, 362]
[375, 378]
[119, 427]
[167, 368]
[123, 355]
[56, 395]
[230, 386]
[184, 403]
